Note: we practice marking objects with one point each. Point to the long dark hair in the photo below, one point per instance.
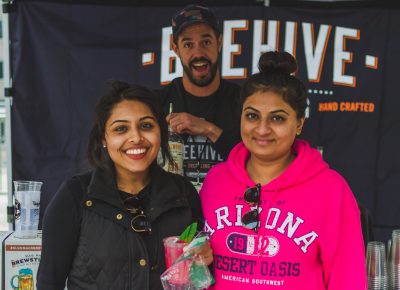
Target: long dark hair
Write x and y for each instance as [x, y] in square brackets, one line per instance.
[116, 92]
[276, 74]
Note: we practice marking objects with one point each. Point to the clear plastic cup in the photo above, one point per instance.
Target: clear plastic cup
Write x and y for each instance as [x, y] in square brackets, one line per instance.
[173, 248]
[26, 208]
[178, 268]
[376, 266]
[394, 260]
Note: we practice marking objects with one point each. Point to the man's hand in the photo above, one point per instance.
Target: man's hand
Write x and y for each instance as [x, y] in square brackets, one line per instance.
[184, 123]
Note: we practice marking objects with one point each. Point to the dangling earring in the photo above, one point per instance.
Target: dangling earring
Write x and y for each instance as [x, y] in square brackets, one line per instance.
[104, 146]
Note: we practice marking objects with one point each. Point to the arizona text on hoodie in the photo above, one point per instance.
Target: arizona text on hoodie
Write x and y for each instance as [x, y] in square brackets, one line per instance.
[309, 235]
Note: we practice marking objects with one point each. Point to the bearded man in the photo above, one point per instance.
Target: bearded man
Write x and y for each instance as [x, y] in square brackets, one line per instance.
[206, 110]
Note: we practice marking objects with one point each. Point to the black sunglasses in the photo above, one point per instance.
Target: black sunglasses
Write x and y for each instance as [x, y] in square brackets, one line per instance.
[250, 220]
[139, 221]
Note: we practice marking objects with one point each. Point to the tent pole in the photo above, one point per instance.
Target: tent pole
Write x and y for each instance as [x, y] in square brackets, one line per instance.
[7, 82]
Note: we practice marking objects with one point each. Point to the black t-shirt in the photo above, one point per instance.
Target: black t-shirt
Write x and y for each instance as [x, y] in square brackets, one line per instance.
[199, 155]
[221, 108]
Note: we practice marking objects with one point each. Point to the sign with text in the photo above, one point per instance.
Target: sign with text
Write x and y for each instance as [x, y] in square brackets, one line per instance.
[62, 55]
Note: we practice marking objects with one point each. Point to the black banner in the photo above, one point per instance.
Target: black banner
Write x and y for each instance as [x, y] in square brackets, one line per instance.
[62, 55]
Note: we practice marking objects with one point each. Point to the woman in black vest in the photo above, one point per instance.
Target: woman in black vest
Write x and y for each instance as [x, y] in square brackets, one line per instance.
[104, 229]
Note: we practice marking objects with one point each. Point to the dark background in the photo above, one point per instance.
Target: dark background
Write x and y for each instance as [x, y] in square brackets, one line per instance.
[63, 52]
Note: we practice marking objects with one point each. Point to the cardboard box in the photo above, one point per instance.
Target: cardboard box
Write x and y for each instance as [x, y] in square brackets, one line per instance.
[21, 259]
[3, 236]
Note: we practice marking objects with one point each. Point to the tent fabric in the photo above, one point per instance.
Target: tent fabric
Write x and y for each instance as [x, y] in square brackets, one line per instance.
[62, 54]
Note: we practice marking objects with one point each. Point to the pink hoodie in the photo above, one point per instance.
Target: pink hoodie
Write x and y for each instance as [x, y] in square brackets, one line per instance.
[310, 234]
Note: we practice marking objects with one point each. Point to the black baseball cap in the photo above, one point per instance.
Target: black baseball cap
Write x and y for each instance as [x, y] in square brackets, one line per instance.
[192, 14]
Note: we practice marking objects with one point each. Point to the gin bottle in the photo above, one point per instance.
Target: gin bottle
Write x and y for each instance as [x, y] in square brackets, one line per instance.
[176, 145]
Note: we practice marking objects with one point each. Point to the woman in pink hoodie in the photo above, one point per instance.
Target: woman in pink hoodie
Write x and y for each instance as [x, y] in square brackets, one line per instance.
[278, 216]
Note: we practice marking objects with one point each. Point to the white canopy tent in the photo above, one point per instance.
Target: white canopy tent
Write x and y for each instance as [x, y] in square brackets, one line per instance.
[7, 82]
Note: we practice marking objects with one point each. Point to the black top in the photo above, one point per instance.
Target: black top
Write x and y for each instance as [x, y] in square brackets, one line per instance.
[222, 108]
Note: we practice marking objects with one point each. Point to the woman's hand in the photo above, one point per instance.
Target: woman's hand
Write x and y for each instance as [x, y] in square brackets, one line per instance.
[204, 251]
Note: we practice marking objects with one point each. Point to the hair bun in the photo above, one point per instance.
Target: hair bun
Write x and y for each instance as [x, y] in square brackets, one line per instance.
[277, 62]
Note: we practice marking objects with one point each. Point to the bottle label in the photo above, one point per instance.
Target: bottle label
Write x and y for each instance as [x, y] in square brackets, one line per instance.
[176, 149]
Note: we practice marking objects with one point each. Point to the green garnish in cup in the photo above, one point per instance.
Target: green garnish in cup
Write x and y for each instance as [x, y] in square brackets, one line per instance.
[189, 233]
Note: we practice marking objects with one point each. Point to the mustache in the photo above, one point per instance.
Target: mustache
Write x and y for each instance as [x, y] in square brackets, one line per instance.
[200, 59]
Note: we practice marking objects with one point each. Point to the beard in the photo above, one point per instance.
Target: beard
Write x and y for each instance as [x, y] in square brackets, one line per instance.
[201, 81]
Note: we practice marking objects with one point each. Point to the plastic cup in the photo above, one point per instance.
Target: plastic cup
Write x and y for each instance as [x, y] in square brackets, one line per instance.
[376, 266]
[394, 260]
[178, 273]
[173, 248]
[27, 206]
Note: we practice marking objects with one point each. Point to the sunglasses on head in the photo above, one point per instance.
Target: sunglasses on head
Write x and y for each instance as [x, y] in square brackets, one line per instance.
[250, 220]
